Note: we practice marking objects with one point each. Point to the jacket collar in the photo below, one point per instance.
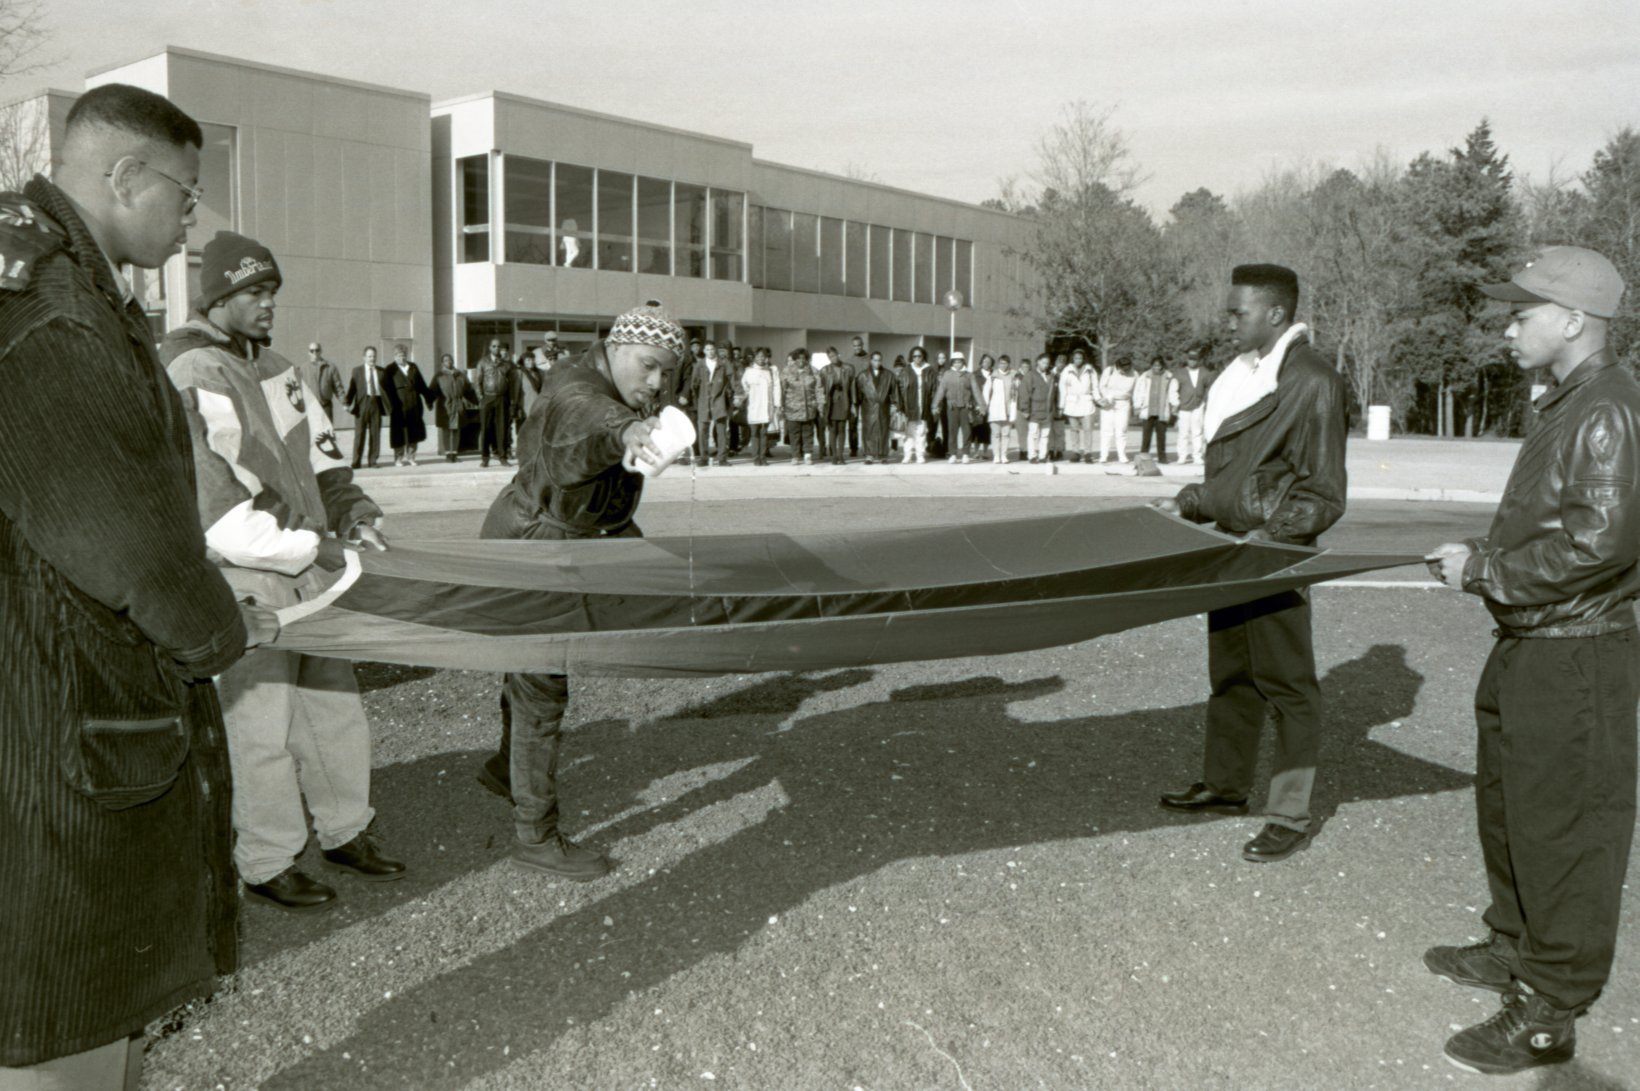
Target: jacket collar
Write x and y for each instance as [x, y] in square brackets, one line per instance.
[1262, 408]
[1591, 366]
[90, 257]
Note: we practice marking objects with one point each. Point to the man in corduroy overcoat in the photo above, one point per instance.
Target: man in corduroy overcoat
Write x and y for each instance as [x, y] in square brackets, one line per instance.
[117, 897]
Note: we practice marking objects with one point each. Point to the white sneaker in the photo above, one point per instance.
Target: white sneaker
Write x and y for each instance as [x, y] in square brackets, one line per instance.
[921, 459]
[966, 460]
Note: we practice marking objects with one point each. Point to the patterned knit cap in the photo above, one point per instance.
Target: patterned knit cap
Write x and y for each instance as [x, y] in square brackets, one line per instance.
[648, 325]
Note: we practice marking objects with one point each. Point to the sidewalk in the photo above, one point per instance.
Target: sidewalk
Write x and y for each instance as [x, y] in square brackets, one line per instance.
[1472, 471]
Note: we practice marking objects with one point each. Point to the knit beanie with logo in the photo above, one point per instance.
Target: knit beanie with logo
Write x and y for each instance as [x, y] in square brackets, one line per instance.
[232, 263]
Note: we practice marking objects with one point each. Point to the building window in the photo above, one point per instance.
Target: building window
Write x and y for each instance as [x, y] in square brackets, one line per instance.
[572, 189]
[689, 221]
[944, 258]
[777, 249]
[880, 245]
[473, 172]
[922, 268]
[217, 210]
[615, 221]
[805, 252]
[728, 242]
[965, 270]
[854, 259]
[654, 226]
[527, 194]
[831, 255]
[902, 265]
[754, 246]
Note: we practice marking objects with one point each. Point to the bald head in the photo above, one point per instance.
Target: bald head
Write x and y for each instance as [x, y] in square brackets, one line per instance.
[130, 164]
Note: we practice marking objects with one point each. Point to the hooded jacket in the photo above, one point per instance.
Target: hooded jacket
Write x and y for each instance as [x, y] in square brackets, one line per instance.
[272, 481]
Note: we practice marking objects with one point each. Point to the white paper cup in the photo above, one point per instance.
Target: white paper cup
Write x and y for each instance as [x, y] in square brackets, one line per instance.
[675, 435]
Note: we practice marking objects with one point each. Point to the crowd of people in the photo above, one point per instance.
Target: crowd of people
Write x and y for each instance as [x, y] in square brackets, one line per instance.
[808, 407]
[157, 755]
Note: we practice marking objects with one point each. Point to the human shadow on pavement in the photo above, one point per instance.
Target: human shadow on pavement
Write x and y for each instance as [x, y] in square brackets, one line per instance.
[937, 770]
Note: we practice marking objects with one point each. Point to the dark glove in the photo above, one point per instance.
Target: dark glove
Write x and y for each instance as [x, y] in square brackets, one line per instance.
[332, 554]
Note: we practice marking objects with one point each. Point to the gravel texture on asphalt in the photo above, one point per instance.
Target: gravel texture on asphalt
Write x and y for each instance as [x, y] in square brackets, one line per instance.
[933, 875]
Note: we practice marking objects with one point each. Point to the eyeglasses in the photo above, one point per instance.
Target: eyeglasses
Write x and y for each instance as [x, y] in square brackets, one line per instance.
[195, 194]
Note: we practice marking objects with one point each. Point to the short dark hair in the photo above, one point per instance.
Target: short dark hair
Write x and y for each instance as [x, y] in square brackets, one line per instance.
[1278, 283]
[915, 349]
[135, 111]
[1124, 360]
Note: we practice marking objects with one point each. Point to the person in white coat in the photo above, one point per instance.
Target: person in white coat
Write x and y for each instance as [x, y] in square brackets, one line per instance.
[761, 390]
[1156, 395]
[1078, 385]
[1115, 406]
[1001, 394]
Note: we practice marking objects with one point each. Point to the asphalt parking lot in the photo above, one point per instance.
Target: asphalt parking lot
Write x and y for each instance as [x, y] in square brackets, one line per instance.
[947, 874]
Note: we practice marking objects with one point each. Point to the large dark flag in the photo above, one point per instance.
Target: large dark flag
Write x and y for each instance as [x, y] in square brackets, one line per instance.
[777, 602]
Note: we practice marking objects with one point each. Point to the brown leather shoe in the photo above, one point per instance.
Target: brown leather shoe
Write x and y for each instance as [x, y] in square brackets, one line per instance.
[363, 858]
[1198, 798]
[293, 890]
[1275, 843]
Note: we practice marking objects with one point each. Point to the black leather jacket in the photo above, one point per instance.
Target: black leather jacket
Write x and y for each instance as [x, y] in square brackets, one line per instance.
[570, 481]
[1279, 463]
[1563, 555]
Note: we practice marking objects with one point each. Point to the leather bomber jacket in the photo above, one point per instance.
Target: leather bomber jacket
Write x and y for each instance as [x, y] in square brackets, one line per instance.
[1563, 556]
[1278, 464]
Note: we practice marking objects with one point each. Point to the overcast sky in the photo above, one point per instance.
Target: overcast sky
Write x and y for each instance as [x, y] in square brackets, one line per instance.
[949, 97]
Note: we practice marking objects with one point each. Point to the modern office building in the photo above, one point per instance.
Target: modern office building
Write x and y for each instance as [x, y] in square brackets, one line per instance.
[444, 225]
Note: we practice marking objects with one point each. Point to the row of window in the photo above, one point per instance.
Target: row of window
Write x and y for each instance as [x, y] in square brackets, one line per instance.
[583, 218]
[576, 217]
[802, 252]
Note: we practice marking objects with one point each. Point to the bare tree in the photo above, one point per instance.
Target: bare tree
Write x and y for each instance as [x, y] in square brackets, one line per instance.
[859, 172]
[22, 32]
[25, 141]
[1102, 275]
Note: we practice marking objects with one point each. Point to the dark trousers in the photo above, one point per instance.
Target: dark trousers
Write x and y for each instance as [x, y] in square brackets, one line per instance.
[505, 431]
[838, 437]
[874, 424]
[760, 444]
[1158, 427]
[367, 431]
[800, 434]
[1555, 802]
[854, 433]
[707, 430]
[1260, 657]
[956, 429]
[532, 718]
[492, 415]
[818, 437]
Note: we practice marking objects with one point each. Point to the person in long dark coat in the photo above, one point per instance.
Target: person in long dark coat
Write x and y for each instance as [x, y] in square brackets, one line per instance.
[406, 391]
[877, 393]
[453, 397]
[117, 890]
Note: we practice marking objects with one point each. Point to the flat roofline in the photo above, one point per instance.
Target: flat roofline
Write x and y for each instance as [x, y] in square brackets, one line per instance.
[526, 100]
[899, 190]
[240, 62]
[44, 92]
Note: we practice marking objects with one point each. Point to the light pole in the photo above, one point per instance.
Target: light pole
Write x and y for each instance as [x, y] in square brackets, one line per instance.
[953, 303]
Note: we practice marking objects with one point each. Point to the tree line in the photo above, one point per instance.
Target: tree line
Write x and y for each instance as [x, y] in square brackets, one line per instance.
[1389, 256]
